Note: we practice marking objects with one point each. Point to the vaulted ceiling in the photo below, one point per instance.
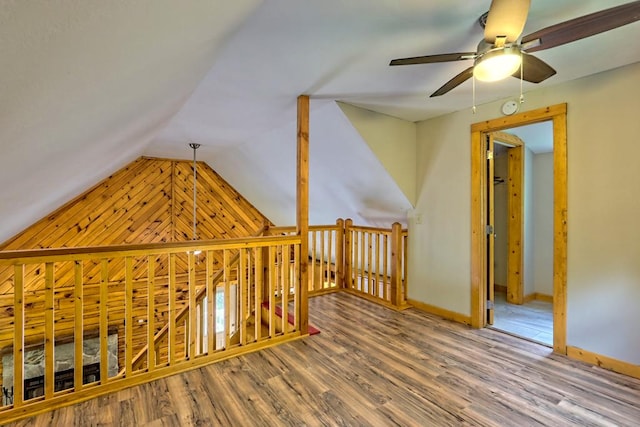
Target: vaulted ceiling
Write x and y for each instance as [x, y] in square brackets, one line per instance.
[87, 86]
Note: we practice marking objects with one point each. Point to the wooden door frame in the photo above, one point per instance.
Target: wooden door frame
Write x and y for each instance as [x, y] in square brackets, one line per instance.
[557, 114]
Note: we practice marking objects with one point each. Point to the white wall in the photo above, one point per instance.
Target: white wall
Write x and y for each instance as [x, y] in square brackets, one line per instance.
[603, 211]
[543, 223]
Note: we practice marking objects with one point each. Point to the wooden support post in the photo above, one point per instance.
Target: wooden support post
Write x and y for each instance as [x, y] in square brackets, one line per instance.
[396, 264]
[302, 210]
[348, 254]
[339, 254]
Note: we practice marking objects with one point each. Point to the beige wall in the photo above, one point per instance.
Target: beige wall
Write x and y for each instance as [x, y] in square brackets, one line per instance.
[392, 140]
[603, 183]
[528, 222]
[543, 223]
[501, 247]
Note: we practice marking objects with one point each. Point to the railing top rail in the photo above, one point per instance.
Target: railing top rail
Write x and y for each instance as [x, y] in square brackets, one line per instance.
[84, 253]
[373, 229]
[323, 227]
[292, 228]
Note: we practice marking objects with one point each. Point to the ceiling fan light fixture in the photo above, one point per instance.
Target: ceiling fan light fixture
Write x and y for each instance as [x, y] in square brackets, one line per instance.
[497, 64]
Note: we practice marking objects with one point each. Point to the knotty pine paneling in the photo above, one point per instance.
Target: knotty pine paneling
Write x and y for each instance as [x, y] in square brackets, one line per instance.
[150, 200]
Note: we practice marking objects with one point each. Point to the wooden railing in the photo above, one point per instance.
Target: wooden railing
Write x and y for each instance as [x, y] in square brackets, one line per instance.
[367, 261]
[375, 263]
[146, 311]
[326, 249]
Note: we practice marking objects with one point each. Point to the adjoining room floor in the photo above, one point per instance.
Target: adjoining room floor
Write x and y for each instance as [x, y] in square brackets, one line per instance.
[533, 320]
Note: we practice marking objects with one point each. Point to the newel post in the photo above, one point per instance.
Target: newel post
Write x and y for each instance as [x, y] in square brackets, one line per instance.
[302, 211]
[339, 253]
[396, 264]
[348, 254]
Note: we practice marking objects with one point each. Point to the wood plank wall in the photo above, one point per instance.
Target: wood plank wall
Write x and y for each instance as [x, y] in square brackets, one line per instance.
[149, 200]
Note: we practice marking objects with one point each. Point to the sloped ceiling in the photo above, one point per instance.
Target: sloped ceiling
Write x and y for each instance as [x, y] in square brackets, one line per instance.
[87, 86]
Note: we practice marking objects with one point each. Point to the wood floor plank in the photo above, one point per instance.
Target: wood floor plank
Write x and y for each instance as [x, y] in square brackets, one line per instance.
[372, 366]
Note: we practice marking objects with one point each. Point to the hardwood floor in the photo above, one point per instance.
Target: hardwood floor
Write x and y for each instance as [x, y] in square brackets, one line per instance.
[532, 320]
[374, 366]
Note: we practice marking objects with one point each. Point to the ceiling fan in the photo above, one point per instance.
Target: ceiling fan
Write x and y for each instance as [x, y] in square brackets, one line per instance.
[502, 53]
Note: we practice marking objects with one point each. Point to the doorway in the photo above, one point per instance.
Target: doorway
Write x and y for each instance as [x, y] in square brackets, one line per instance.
[520, 212]
[482, 236]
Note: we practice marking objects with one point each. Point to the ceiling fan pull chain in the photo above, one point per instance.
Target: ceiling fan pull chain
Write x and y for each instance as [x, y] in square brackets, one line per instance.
[521, 78]
[473, 81]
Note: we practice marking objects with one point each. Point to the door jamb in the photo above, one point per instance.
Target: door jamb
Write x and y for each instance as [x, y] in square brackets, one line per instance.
[558, 114]
[515, 223]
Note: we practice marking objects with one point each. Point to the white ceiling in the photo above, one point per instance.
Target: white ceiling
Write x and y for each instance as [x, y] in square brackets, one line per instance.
[87, 85]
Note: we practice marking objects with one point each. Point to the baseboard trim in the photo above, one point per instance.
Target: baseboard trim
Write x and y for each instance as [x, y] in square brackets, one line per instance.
[500, 288]
[605, 362]
[440, 312]
[536, 296]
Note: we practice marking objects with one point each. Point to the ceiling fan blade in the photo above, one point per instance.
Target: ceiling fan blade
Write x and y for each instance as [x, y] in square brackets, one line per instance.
[583, 27]
[430, 59]
[506, 18]
[454, 82]
[534, 70]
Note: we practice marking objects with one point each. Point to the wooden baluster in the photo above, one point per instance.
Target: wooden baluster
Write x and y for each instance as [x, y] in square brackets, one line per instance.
[285, 287]
[376, 264]
[18, 334]
[78, 327]
[272, 298]
[369, 264]
[104, 325]
[242, 288]
[339, 260]
[296, 293]
[354, 262]
[151, 314]
[348, 254]
[259, 278]
[49, 334]
[227, 299]
[328, 253]
[250, 288]
[405, 245]
[172, 310]
[199, 327]
[385, 269]
[265, 273]
[191, 352]
[396, 264]
[211, 302]
[128, 316]
[363, 242]
[321, 266]
[312, 273]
